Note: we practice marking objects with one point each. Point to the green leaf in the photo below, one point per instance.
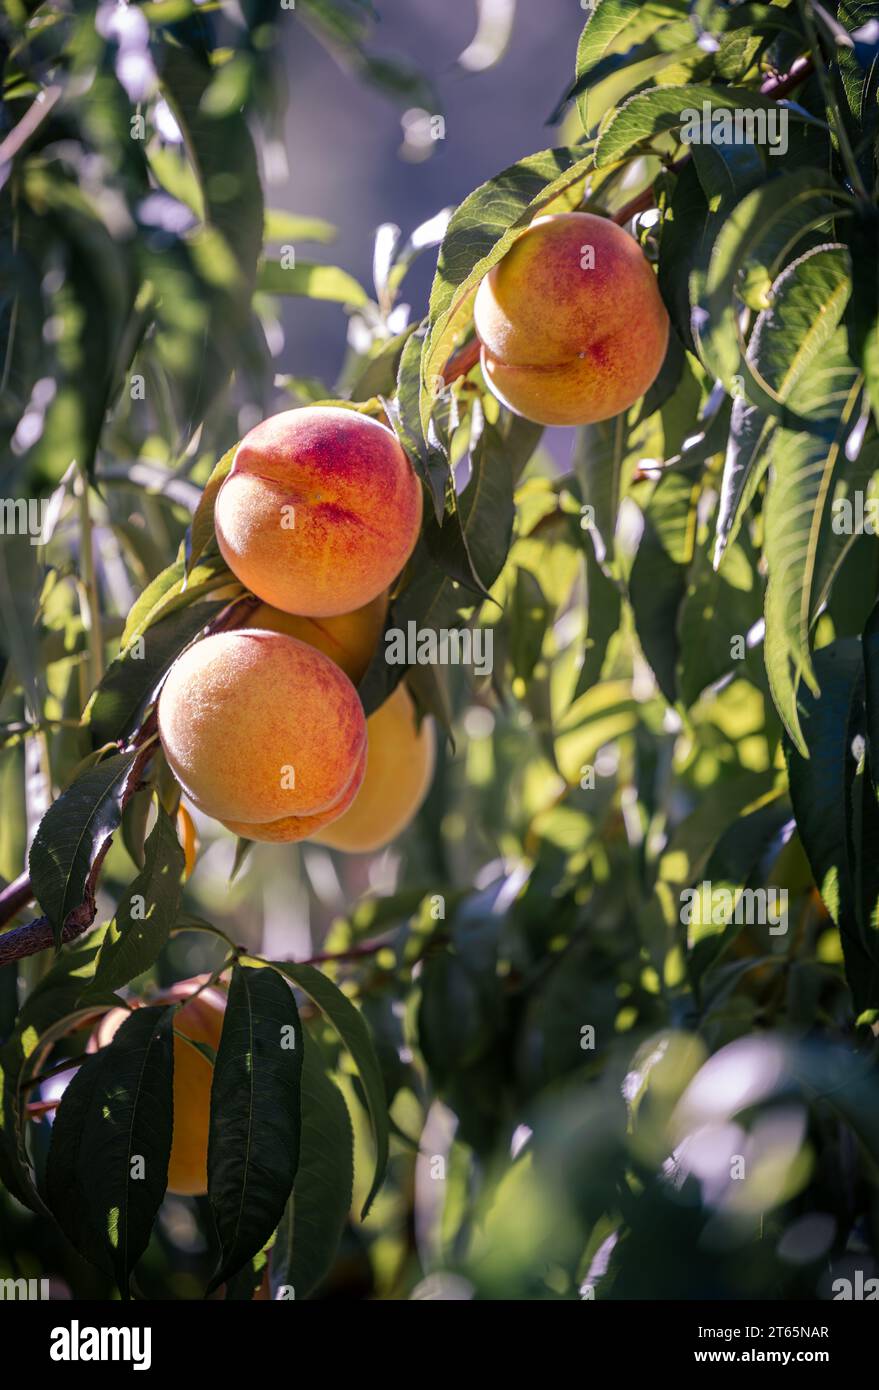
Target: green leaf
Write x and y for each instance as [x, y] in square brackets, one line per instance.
[311, 281]
[353, 1030]
[223, 156]
[658, 582]
[290, 226]
[862, 313]
[71, 839]
[253, 1145]
[144, 919]
[471, 545]
[480, 232]
[176, 587]
[429, 459]
[599, 453]
[529, 615]
[660, 111]
[111, 1142]
[811, 297]
[822, 779]
[315, 1216]
[759, 233]
[686, 229]
[623, 36]
[717, 608]
[201, 531]
[130, 682]
[603, 612]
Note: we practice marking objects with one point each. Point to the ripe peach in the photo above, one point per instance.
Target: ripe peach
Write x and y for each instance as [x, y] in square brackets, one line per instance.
[258, 727]
[320, 512]
[571, 321]
[399, 766]
[300, 827]
[202, 1020]
[349, 639]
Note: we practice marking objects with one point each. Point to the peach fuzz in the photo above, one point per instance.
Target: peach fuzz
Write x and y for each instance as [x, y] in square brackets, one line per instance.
[568, 345]
[348, 639]
[399, 767]
[257, 726]
[202, 1020]
[320, 511]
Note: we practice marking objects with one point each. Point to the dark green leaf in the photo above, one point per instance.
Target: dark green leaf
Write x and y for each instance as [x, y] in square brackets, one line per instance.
[315, 1216]
[71, 839]
[111, 1142]
[131, 681]
[353, 1031]
[146, 913]
[253, 1148]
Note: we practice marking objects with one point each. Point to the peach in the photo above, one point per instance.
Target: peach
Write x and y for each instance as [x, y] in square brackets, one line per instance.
[202, 1020]
[349, 639]
[399, 766]
[320, 511]
[572, 325]
[258, 727]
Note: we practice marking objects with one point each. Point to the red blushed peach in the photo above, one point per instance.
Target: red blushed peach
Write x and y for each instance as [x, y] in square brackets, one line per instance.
[258, 727]
[571, 321]
[320, 512]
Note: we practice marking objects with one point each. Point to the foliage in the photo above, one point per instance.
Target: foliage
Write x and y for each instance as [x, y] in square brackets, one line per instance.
[517, 1058]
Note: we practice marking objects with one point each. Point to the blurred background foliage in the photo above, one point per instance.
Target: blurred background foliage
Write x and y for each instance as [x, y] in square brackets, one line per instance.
[571, 1071]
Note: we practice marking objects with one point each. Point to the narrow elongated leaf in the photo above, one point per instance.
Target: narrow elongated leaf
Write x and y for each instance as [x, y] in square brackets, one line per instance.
[808, 300]
[625, 35]
[71, 837]
[314, 1218]
[177, 587]
[760, 231]
[354, 1032]
[429, 459]
[311, 281]
[821, 786]
[871, 674]
[661, 111]
[253, 1146]
[201, 532]
[805, 465]
[658, 582]
[719, 609]
[130, 681]
[111, 1142]
[472, 543]
[146, 913]
[599, 455]
[290, 226]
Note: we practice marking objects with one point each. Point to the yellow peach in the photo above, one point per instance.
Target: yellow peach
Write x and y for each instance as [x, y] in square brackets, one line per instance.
[349, 639]
[258, 727]
[399, 767]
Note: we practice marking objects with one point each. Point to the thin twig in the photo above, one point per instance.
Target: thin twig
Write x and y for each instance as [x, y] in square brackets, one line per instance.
[31, 121]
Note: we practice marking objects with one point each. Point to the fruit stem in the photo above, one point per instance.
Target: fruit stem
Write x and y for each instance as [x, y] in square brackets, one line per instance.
[462, 361]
